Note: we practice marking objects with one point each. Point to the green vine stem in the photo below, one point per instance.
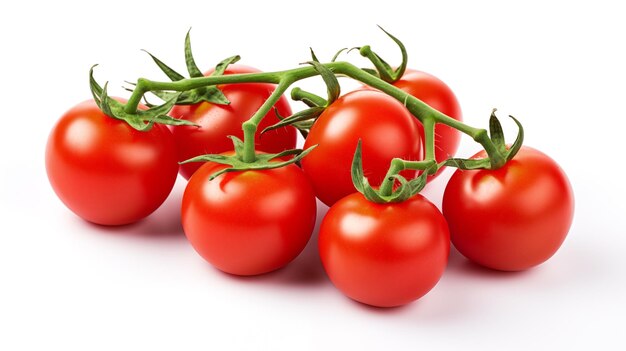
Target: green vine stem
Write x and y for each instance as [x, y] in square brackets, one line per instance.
[310, 99]
[424, 113]
[250, 126]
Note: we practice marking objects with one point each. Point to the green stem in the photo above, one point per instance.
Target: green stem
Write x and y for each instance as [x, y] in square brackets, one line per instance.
[398, 165]
[429, 138]
[419, 109]
[146, 85]
[250, 126]
[366, 51]
[298, 94]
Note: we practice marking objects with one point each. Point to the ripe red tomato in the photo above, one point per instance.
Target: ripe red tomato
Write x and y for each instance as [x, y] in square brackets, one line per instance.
[105, 171]
[439, 96]
[384, 254]
[249, 222]
[386, 128]
[512, 218]
[217, 122]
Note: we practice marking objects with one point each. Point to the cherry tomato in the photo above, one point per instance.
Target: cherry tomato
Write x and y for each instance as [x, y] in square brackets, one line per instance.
[386, 128]
[217, 122]
[384, 254]
[512, 218]
[105, 171]
[439, 96]
[249, 222]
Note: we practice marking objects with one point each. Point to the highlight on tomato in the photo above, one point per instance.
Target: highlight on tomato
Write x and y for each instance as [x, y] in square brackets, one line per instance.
[106, 171]
[252, 221]
[382, 250]
[384, 125]
[511, 218]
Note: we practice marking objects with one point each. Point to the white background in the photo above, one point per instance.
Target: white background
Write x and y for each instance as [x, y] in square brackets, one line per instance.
[67, 284]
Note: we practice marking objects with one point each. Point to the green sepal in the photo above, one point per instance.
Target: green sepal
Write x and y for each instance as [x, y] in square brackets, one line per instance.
[237, 144]
[406, 190]
[383, 70]
[295, 119]
[142, 120]
[262, 161]
[211, 94]
[313, 57]
[220, 68]
[332, 84]
[337, 54]
[169, 72]
[399, 72]
[495, 132]
[496, 135]
[192, 68]
[356, 170]
[519, 140]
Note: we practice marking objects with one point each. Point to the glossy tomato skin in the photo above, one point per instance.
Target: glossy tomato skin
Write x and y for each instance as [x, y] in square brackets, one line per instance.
[249, 222]
[384, 255]
[105, 171]
[386, 128]
[436, 94]
[217, 122]
[512, 218]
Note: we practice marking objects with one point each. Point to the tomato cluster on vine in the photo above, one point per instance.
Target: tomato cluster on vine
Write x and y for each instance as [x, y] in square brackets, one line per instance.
[250, 203]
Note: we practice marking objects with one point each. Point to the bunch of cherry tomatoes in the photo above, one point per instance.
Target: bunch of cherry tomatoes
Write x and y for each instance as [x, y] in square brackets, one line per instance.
[256, 220]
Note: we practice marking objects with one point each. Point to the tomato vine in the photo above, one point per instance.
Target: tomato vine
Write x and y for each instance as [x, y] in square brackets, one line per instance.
[246, 157]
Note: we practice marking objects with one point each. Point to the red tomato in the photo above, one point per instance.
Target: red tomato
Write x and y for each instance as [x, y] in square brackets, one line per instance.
[512, 218]
[439, 96]
[384, 254]
[105, 171]
[386, 128]
[217, 122]
[249, 222]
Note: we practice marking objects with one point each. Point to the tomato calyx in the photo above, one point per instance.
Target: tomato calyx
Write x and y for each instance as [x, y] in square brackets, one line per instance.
[386, 193]
[383, 70]
[141, 120]
[303, 120]
[262, 161]
[500, 155]
[211, 94]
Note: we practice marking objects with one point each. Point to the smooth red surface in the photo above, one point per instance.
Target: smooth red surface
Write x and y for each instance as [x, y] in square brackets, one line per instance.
[249, 222]
[436, 94]
[384, 254]
[105, 171]
[512, 218]
[386, 128]
[217, 122]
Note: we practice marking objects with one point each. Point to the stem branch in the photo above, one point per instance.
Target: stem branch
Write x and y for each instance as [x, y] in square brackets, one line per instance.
[250, 126]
